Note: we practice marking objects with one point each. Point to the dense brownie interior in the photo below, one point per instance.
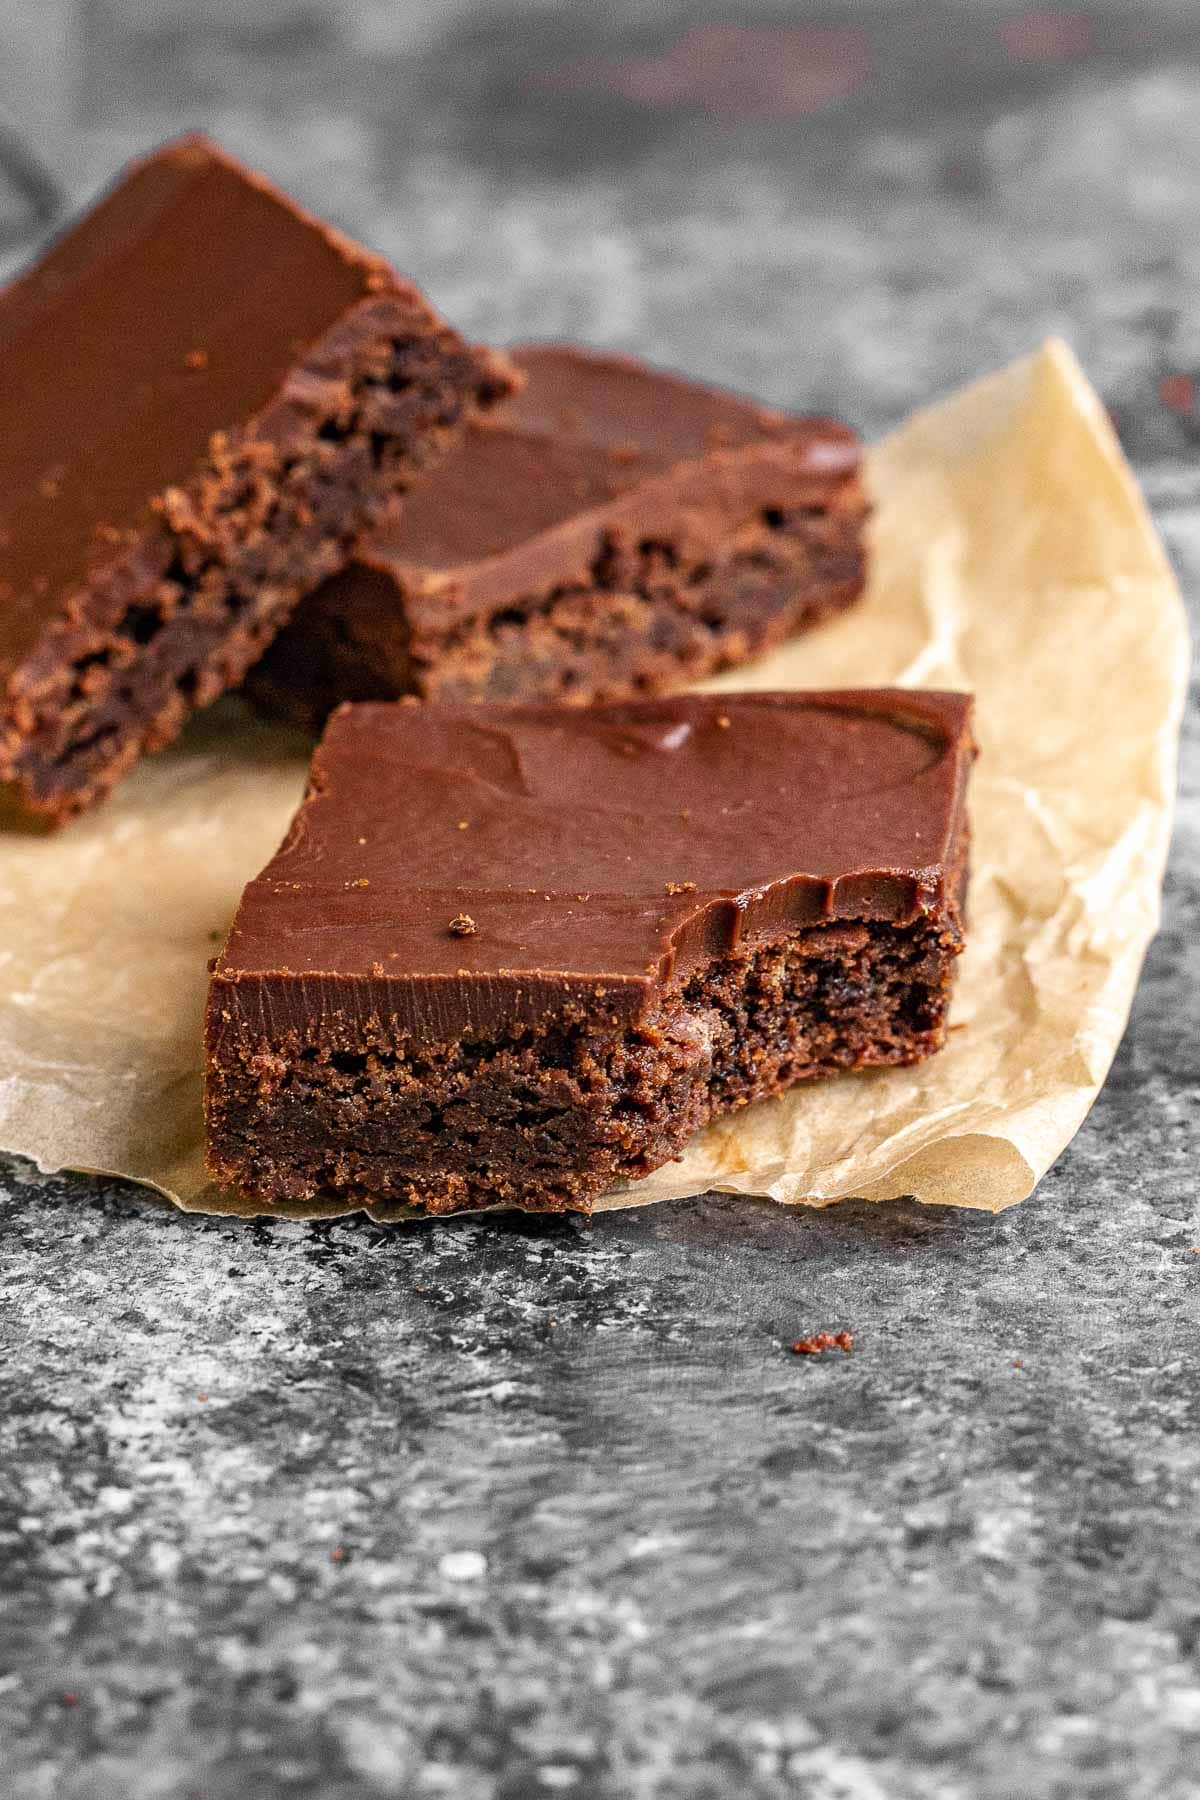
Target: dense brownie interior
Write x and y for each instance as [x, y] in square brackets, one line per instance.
[548, 1120]
[178, 620]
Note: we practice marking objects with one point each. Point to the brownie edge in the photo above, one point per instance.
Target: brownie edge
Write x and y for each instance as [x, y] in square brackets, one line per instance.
[513, 956]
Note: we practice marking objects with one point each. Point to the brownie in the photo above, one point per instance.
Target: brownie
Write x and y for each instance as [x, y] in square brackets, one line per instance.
[610, 531]
[205, 397]
[515, 955]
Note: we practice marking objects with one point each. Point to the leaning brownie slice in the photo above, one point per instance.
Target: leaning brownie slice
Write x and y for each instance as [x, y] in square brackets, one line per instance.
[612, 530]
[512, 956]
[205, 397]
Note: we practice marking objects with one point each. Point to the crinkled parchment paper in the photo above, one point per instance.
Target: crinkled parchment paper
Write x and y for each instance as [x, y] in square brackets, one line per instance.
[1013, 556]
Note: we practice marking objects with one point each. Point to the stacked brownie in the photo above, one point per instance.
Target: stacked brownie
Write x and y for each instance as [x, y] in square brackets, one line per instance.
[532, 926]
[610, 530]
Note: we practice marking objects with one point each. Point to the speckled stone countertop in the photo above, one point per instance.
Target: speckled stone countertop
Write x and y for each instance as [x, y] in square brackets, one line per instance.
[506, 1509]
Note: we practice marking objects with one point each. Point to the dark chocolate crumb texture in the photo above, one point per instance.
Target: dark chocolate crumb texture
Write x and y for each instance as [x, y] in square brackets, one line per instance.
[511, 956]
[613, 530]
[205, 397]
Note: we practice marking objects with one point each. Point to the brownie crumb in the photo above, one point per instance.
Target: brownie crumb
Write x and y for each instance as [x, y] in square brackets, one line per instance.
[820, 1341]
[462, 925]
[1178, 392]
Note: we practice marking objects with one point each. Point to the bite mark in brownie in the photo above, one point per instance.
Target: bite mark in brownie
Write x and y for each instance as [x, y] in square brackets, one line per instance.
[677, 907]
[612, 530]
[208, 397]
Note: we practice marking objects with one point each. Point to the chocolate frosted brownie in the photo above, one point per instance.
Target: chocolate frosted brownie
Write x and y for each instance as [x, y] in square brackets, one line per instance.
[205, 397]
[610, 531]
[512, 956]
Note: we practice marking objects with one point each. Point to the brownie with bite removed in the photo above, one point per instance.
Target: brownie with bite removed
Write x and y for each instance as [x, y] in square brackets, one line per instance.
[514, 955]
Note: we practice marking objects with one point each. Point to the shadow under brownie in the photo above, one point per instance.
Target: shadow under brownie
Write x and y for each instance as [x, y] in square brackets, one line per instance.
[207, 395]
[513, 956]
[611, 530]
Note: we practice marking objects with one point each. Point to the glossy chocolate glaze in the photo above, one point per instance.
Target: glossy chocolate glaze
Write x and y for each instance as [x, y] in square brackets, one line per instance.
[596, 852]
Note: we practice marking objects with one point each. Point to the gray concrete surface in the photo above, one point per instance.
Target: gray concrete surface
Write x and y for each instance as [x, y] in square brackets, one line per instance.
[501, 1510]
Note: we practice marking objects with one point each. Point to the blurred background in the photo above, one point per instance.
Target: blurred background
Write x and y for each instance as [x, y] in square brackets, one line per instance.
[849, 205]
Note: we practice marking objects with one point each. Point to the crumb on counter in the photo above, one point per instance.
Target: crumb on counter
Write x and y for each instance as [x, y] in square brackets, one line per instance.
[1178, 392]
[820, 1341]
